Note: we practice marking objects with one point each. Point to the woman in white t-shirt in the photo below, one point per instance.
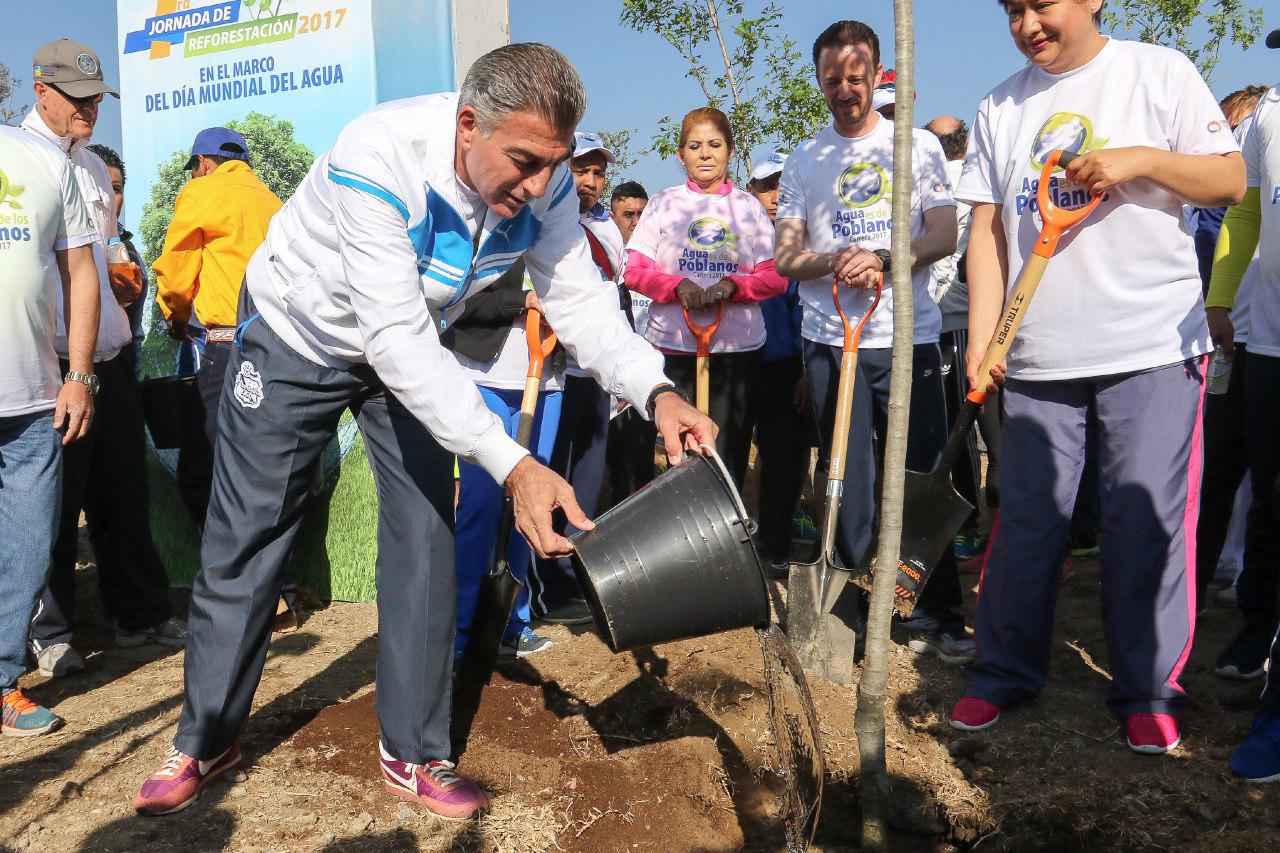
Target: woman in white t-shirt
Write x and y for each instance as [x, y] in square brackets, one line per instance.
[700, 246]
[1116, 333]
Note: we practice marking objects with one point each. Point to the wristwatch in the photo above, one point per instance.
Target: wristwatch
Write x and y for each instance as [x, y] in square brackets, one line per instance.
[885, 258]
[662, 389]
[88, 380]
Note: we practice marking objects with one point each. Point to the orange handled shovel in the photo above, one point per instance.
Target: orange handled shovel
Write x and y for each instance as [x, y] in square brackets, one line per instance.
[500, 586]
[703, 334]
[822, 633]
[932, 509]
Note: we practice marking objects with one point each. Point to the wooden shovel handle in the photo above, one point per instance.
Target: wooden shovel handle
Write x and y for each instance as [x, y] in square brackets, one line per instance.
[703, 335]
[1056, 223]
[844, 391]
[540, 348]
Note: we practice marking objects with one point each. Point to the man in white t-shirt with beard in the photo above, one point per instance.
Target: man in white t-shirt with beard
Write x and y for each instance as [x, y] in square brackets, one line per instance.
[834, 216]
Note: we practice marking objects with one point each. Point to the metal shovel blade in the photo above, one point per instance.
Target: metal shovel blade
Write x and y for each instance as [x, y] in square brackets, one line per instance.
[932, 512]
[822, 624]
[498, 591]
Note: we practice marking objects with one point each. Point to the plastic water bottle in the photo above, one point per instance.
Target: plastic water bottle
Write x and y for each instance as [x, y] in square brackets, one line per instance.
[1219, 372]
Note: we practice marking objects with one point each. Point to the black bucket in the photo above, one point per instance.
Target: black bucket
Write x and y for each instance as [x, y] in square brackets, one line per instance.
[673, 561]
[165, 402]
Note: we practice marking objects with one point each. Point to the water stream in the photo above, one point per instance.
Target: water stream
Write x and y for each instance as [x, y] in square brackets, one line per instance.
[793, 725]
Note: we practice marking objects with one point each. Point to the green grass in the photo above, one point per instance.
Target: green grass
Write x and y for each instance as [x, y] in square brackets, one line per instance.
[336, 547]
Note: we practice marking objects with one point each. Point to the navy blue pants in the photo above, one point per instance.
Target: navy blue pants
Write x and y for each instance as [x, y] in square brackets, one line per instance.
[278, 412]
[926, 436]
[1149, 460]
[1258, 587]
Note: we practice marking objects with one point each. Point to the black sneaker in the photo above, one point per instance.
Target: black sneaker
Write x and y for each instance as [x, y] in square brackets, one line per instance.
[1245, 657]
[952, 647]
[575, 612]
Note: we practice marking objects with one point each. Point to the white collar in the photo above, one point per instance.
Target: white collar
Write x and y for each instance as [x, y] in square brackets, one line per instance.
[68, 145]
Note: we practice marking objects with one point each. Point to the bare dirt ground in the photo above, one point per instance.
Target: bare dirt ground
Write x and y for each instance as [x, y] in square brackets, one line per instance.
[583, 750]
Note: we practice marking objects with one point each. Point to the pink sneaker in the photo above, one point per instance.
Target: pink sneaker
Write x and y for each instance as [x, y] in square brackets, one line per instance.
[974, 715]
[434, 785]
[1153, 734]
[180, 780]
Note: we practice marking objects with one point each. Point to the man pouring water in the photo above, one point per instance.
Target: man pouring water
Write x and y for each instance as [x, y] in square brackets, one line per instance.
[418, 203]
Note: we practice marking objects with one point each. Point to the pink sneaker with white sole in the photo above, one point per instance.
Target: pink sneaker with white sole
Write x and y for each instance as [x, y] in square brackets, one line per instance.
[179, 780]
[1152, 734]
[435, 785]
[974, 715]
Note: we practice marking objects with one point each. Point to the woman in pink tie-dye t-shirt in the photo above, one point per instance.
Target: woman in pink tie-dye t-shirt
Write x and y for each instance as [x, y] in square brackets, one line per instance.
[699, 245]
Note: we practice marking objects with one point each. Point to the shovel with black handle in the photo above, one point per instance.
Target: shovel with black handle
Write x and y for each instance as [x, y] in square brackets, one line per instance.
[819, 625]
[500, 586]
[933, 511]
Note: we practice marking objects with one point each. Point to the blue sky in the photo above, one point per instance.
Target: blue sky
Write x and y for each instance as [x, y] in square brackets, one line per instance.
[633, 79]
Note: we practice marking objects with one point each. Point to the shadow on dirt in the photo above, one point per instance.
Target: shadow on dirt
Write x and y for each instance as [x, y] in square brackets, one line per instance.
[270, 726]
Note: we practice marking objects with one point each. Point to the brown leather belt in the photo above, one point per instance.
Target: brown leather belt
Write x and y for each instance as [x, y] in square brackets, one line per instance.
[220, 334]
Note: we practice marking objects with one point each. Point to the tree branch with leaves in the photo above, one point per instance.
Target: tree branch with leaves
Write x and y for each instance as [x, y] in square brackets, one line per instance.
[1201, 29]
[761, 80]
[9, 114]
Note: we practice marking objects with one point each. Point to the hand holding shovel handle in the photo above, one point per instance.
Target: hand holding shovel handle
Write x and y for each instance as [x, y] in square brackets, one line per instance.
[821, 629]
[932, 509]
[1056, 222]
[844, 413]
[703, 334]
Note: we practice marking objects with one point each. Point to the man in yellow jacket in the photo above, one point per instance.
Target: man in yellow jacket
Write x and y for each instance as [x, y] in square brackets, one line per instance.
[219, 220]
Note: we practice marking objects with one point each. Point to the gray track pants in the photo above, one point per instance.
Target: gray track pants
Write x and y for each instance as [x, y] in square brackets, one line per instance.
[278, 412]
[1149, 430]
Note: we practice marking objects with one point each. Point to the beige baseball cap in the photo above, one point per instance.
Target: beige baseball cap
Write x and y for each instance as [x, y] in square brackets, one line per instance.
[72, 67]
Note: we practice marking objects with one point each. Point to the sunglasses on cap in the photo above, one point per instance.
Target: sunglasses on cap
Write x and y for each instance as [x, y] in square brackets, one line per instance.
[91, 101]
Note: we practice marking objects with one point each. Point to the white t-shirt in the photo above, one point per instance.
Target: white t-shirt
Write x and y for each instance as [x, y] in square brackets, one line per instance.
[94, 182]
[1123, 292]
[842, 189]
[952, 294]
[1240, 309]
[601, 225]
[40, 211]
[1262, 170]
[705, 237]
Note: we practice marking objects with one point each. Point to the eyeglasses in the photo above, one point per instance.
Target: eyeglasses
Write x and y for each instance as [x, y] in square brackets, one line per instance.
[80, 103]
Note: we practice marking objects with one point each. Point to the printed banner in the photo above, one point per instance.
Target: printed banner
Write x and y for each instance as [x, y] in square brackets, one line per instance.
[289, 75]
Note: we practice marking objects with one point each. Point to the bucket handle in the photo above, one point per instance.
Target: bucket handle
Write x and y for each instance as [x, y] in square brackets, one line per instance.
[743, 516]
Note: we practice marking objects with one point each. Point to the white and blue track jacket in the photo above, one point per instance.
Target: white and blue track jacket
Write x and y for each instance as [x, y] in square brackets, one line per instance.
[378, 249]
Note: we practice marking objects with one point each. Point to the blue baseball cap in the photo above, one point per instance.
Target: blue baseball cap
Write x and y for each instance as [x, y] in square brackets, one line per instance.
[218, 142]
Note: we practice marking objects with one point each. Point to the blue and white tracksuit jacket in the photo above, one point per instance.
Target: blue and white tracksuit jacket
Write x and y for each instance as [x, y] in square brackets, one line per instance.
[377, 250]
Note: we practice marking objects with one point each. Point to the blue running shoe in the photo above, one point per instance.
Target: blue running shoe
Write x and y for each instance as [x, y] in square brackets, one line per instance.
[24, 718]
[1257, 758]
[967, 544]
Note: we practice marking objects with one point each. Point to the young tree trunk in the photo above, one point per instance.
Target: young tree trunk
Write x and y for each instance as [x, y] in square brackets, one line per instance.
[869, 718]
[728, 71]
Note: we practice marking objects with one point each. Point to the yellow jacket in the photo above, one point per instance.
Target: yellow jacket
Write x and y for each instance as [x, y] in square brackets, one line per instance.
[218, 222]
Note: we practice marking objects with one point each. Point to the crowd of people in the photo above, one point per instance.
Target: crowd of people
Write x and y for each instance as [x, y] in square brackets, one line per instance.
[396, 282]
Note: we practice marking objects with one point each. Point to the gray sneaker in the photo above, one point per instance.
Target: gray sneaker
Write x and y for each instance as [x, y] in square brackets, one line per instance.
[170, 632]
[57, 660]
[952, 647]
[524, 644]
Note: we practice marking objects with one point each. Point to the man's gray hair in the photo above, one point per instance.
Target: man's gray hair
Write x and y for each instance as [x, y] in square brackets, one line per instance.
[525, 77]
